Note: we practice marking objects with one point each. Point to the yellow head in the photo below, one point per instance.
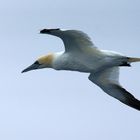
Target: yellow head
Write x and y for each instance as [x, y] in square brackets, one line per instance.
[41, 62]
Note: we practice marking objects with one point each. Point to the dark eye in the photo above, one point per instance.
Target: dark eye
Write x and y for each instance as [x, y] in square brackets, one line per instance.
[36, 62]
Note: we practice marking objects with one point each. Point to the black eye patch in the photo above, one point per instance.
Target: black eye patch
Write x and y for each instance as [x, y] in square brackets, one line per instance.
[36, 62]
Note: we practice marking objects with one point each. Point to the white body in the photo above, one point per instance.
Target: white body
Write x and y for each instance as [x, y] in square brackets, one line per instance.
[86, 62]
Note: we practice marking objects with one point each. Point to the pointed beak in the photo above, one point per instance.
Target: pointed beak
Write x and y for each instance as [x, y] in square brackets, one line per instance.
[32, 67]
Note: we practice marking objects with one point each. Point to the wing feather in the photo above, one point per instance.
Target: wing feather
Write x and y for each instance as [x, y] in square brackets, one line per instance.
[108, 81]
[74, 40]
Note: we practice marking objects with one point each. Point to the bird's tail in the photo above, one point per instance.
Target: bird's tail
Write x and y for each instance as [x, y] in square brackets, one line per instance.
[133, 59]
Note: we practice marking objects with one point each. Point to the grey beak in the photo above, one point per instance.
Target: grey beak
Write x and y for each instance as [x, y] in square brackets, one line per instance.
[32, 67]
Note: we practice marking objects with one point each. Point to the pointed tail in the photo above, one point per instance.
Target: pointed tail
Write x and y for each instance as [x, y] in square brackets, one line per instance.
[133, 59]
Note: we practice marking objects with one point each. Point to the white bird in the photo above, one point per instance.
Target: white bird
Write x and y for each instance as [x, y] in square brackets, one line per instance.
[82, 55]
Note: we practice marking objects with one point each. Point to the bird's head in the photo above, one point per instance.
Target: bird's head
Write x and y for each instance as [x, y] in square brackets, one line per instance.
[42, 62]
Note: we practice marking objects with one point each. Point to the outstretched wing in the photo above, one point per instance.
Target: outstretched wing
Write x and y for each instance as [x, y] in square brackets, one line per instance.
[108, 81]
[73, 40]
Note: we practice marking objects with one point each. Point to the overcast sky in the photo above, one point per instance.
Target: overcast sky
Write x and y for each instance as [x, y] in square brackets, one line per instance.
[61, 105]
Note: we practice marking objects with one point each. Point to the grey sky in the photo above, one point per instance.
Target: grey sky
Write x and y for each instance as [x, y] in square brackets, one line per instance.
[48, 104]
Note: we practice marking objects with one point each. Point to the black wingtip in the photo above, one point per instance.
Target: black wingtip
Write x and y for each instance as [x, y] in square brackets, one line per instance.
[44, 31]
[130, 100]
[135, 103]
[47, 31]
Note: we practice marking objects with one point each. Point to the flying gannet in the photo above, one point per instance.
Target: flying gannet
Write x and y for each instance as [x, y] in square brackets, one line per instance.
[82, 55]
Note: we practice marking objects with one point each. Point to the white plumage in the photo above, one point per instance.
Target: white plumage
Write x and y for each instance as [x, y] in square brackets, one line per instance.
[82, 55]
